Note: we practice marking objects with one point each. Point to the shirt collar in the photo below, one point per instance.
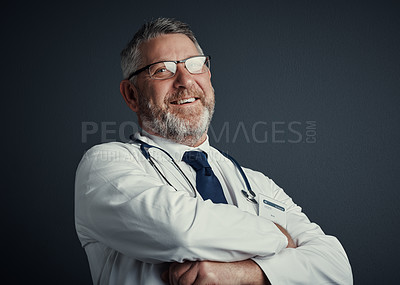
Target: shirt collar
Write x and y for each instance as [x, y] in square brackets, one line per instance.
[176, 150]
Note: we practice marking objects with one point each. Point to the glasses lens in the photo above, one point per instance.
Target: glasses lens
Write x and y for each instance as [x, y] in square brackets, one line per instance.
[198, 64]
[162, 70]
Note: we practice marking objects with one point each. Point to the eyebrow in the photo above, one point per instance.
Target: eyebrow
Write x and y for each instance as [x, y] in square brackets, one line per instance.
[162, 59]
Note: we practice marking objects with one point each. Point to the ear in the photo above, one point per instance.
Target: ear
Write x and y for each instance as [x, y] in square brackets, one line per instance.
[130, 94]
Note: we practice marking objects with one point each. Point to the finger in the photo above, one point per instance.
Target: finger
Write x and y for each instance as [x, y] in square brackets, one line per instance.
[176, 270]
[291, 243]
[212, 272]
[189, 277]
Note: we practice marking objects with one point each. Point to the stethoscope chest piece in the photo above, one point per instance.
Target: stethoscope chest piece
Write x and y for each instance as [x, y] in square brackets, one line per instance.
[250, 198]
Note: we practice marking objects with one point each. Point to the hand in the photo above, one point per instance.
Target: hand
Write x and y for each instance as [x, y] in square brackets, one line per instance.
[211, 272]
[291, 243]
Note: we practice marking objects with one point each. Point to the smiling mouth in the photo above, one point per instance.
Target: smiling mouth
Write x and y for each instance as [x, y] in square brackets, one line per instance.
[184, 101]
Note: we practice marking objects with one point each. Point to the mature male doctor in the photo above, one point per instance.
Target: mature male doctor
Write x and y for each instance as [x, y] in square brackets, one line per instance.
[144, 211]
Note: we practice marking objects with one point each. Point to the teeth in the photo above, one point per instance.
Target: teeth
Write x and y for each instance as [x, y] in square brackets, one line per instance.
[190, 100]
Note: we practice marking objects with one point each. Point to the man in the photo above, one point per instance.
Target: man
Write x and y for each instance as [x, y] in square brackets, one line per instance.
[144, 213]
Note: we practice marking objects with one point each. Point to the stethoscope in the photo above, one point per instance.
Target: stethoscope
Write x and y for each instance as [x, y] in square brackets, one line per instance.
[144, 148]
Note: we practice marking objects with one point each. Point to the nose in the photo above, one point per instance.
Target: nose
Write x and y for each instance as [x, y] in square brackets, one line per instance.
[183, 78]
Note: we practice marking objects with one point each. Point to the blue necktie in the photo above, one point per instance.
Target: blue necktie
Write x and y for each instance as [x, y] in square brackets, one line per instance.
[206, 182]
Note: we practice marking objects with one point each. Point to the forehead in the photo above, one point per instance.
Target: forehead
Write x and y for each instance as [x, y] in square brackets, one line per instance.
[168, 47]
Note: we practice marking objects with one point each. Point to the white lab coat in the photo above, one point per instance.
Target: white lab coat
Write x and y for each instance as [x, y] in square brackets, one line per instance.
[132, 223]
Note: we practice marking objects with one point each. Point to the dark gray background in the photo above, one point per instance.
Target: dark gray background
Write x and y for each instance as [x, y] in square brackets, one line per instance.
[273, 62]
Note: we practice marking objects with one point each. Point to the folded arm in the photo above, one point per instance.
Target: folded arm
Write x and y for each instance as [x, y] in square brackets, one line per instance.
[210, 272]
[311, 257]
[123, 205]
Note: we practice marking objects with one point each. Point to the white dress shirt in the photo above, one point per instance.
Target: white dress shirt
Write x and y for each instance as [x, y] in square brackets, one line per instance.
[131, 223]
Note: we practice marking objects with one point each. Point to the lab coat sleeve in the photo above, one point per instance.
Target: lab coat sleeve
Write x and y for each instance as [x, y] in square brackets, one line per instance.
[124, 207]
[318, 259]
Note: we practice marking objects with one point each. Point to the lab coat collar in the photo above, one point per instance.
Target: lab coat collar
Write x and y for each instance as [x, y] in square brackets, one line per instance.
[176, 150]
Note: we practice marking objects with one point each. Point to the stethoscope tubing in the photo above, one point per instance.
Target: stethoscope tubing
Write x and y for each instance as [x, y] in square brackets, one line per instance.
[147, 155]
[144, 148]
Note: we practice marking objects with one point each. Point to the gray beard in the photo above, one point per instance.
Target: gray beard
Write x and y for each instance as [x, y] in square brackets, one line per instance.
[180, 130]
[174, 127]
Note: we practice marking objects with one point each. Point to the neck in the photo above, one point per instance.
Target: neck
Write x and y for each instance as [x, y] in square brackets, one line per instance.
[188, 140]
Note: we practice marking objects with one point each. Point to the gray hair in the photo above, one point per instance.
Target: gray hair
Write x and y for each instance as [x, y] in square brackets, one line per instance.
[131, 57]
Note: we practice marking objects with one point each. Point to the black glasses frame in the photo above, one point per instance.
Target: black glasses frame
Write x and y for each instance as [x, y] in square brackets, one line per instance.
[208, 58]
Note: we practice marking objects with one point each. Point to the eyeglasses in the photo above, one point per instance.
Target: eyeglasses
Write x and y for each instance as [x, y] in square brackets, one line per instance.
[167, 69]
